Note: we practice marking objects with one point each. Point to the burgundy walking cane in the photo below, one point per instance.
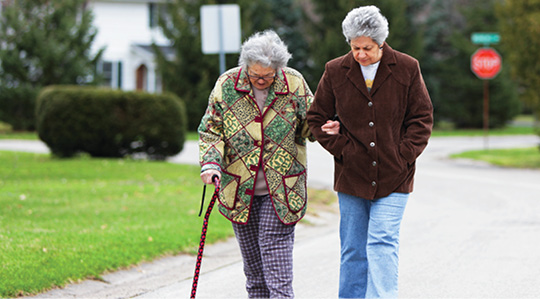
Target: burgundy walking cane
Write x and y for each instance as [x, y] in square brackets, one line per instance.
[215, 180]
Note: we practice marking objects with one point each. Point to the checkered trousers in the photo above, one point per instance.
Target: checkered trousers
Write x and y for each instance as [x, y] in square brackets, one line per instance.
[266, 245]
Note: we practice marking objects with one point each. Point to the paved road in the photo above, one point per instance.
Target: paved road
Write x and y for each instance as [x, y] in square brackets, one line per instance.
[470, 231]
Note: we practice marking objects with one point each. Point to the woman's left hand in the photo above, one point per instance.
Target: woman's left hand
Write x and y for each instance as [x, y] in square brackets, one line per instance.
[331, 127]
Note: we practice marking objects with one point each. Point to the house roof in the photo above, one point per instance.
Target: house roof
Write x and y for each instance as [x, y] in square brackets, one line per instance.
[168, 51]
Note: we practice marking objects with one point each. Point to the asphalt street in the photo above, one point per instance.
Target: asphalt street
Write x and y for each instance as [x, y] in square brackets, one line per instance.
[470, 230]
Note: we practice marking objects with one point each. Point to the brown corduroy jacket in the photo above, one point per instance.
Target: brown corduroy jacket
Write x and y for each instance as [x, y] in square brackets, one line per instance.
[383, 131]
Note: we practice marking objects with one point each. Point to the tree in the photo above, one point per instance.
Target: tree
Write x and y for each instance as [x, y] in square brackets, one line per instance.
[520, 38]
[456, 93]
[42, 43]
[325, 37]
[189, 74]
[287, 21]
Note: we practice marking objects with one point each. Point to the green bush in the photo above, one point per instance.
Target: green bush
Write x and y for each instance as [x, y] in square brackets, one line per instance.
[5, 128]
[110, 123]
[18, 106]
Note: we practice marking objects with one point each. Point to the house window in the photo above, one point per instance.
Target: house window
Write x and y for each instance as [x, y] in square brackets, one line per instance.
[106, 72]
[111, 73]
[156, 11]
[152, 15]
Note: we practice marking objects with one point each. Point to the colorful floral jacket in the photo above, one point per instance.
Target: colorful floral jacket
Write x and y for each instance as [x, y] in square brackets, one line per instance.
[236, 137]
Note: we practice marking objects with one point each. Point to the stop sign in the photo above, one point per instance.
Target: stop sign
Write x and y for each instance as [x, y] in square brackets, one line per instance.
[486, 63]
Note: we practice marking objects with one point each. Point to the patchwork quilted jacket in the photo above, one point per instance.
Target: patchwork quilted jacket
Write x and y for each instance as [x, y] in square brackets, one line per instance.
[237, 138]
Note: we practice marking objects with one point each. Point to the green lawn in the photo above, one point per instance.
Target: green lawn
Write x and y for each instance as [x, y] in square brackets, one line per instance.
[19, 135]
[194, 136]
[510, 130]
[66, 220]
[518, 158]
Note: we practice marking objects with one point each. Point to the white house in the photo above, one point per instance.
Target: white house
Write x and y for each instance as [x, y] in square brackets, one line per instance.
[127, 29]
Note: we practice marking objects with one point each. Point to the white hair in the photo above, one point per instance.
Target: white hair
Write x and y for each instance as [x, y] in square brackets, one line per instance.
[266, 49]
[365, 21]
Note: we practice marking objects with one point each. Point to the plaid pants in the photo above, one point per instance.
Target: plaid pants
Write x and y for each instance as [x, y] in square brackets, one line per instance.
[266, 245]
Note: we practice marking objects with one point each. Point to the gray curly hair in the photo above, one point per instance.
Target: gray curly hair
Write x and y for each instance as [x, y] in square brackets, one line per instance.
[266, 49]
[365, 21]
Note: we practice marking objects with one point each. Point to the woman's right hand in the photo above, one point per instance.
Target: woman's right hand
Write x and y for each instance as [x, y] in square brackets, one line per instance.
[331, 127]
[206, 176]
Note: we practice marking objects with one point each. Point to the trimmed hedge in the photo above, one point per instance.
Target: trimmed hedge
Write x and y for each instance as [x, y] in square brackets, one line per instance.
[110, 123]
[18, 106]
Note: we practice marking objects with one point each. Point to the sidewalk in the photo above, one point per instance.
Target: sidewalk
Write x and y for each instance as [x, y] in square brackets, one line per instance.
[30, 146]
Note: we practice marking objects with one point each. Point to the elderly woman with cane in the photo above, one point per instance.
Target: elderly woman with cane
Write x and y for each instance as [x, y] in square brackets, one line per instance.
[385, 119]
[253, 137]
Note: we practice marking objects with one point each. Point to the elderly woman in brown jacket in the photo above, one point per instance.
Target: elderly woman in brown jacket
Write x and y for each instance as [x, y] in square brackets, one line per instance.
[385, 120]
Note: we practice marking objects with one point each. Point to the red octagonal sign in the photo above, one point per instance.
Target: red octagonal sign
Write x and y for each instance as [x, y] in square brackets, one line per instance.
[486, 63]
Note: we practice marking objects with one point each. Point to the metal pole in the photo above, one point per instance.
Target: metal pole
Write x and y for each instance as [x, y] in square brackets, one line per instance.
[221, 46]
[486, 114]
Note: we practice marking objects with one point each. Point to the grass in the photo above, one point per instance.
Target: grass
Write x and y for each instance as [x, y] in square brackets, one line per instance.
[66, 220]
[510, 130]
[517, 158]
[19, 135]
[525, 119]
[193, 136]
[321, 201]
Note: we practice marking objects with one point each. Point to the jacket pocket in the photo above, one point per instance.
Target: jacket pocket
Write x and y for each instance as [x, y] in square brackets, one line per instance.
[351, 156]
[229, 189]
[398, 164]
[295, 191]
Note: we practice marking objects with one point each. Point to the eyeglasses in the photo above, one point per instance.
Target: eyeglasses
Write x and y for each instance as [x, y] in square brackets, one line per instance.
[265, 78]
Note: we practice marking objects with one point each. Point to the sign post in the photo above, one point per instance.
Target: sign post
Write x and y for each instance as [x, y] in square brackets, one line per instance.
[220, 30]
[486, 64]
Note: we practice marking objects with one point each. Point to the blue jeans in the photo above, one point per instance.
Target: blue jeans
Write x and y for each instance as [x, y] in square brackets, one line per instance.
[369, 232]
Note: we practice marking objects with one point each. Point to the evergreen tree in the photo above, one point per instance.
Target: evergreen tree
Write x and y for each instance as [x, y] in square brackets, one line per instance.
[520, 40]
[189, 74]
[325, 36]
[42, 43]
[287, 21]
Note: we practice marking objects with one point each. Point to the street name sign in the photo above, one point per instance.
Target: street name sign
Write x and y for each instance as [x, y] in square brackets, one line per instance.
[485, 38]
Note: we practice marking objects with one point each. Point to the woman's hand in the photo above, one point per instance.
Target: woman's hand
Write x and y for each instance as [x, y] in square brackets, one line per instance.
[331, 127]
[206, 176]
